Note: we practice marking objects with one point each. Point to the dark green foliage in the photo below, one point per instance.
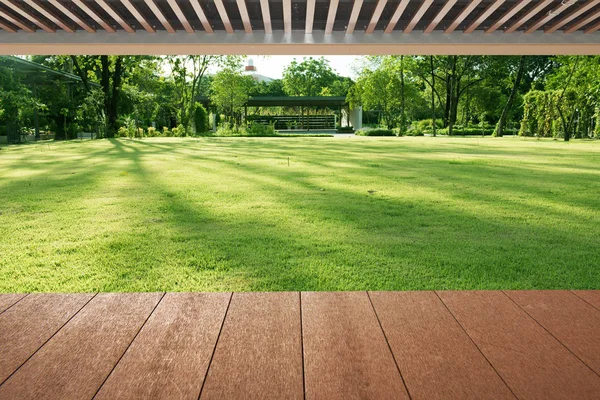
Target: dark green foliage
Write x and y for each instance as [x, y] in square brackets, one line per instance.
[375, 132]
[200, 118]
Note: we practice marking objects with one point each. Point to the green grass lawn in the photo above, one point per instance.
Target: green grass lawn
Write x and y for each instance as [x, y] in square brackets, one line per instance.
[217, 214]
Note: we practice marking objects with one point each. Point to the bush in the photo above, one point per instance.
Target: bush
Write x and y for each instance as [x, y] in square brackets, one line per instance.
[200, 118]
[427, 124]
[165, 131]
[375, 132]
[122, 132]
[255, 129]
[140, 132]
[152, 132]
[345, 129]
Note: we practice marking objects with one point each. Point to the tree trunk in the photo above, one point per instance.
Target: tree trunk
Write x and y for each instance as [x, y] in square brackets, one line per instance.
[433, 124]
[114, 98]
[105, 82]
[402, 98]
[507, 107]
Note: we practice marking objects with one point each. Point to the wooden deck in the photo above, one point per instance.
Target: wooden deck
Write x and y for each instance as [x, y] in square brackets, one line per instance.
[314, 345]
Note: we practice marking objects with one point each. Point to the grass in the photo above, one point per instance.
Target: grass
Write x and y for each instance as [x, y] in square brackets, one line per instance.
[215, 214]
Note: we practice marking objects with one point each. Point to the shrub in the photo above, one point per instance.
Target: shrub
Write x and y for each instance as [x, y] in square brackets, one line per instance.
[255, 129]
[165, 131]
[200, 118]
[375, 132]
[140, 132]
[152, 131]
[427, 124]
[122, 132]
[345, 129]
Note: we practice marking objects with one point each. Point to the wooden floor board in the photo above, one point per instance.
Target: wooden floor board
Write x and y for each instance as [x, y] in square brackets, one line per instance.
[590, 296]
[170, 356]
[26, 326]
[259, 352]
[437, 358]
[530, 360]
[575, 323]
[8, 299]
[77, 360]
[345, 352]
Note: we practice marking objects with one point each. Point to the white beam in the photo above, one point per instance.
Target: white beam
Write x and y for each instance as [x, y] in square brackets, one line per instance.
[287, 16]
[299, 43]
[310, 16]
[333, 6]
[354, 16]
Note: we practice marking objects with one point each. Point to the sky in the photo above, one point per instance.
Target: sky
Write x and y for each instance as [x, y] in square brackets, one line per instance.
[272, 66]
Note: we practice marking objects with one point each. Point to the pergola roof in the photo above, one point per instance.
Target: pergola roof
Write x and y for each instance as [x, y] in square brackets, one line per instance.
[300, 27]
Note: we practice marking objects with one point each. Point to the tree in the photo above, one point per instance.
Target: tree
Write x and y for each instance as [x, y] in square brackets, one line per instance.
[230, 90]
[309, 77]
[499, 131]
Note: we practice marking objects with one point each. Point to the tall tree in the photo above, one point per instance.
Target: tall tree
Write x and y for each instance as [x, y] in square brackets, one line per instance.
[308, 77]
[499, 131]
[230, 90]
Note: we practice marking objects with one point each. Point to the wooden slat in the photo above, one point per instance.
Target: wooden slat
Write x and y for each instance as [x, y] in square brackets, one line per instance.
[74, 17]
[310, 16]
[418, 15]
[94, 16]
[138, 16]
[287, 16]
[376, 15]
[159, 15]
[259, 352]
[592, 297]
[592, 28]
[529, 359]
[508, 15]
[440, 16]
[333, 6]
[549, 16]
[435, 355]
[484, 15]
[461, 17]
[356, 7]
[530, 14]
[19, 10]
[244, 15]
[223, 15]
[201, 16]
[36, 5]
[7, 28]
[572, 321]
[266, 14]
[77, 360]
[396, 16]
[115, 15]
[180, 16]
[170, 356]
[9, 299]
[587, 20]
[26, 326]
[568, 18]
[345, 352]
[16, 22]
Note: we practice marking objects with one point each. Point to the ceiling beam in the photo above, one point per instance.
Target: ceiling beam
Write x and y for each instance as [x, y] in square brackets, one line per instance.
[310, 16]
[138, 16]
[201, 16]
[550, 15]
[588, 20]
[223, 15]
[94, 16]
[266, 14]
[287, 16]
[376, 15]
[530, 14]
[507, 15]
[180, 16]
[354, 16]
[484, 15]
[16, 22]
[396, 16]
[593, 28]
[418, 15]
[19, 10]
[333, 6]
[440, 16]
[461, 17]
[568, 18]
[115, 15]
[74, 17]
[7, 28]
[244, 14]
[159, 15]
[35, 4]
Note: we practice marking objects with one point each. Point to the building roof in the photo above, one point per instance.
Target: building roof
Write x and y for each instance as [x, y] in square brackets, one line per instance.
[300, 27]
[290, 101]
[37, 72]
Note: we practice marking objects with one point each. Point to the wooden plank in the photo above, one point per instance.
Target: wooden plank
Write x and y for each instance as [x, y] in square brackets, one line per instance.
[590, 296]
[589, 18]
[18, 8]
[532, 363]
[508, 15]
[310, 16]
[170, 356]
[201, 16]
[418, 15]
[464, 14]
[572, 321]
[345, 352]
[484, 15]
[530, 14]
[354, 16]
[568, 18]
[26, 326]
[36, 5]
[8, 299]
[377, 14]
[138, 16]
[71, 15]
[77, 360]
[333, 6]
[437, 358]
[259, 353]
[440, 16]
